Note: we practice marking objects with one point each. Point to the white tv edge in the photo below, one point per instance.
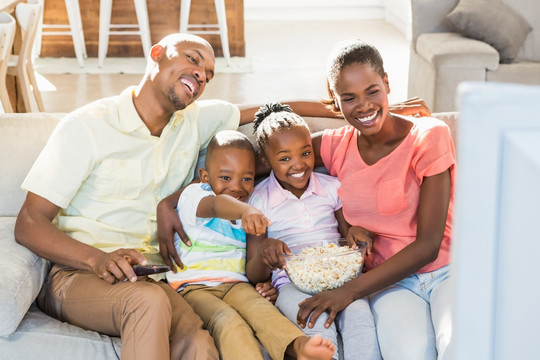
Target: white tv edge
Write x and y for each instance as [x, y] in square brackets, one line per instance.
[496, 242]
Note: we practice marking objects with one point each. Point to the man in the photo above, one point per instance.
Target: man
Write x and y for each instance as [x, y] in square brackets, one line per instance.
[92, 198]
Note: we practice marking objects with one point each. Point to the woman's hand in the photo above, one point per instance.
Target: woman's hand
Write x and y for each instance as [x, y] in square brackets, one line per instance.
[168, 223]
[413, 106]
[330, 301]
[359, 234]
[267, 291]
[271, 253]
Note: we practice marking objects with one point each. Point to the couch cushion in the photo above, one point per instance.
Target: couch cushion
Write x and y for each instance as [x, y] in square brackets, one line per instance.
[452, 50]
[517, 72]
[493, 22]
[22, 136]
[42, 337]
[22, 274]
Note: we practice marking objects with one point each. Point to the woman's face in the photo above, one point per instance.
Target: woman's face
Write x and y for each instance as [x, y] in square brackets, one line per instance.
[362, 95]
[289, 153]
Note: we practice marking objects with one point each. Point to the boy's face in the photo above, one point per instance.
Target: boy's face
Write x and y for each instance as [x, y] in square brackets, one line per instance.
[230, 171]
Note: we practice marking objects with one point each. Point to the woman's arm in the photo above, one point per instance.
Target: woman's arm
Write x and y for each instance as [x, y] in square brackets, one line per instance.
[431, 221]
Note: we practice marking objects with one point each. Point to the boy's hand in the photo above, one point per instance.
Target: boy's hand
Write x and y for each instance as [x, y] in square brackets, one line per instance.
[254, 222]
[271, 253]
[267, 291]
[359, 234]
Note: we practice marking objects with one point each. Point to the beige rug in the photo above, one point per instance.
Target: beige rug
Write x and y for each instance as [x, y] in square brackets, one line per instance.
[126, 65]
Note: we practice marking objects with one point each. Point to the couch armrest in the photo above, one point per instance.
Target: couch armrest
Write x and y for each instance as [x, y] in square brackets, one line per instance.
[22, 274]
[452, 50]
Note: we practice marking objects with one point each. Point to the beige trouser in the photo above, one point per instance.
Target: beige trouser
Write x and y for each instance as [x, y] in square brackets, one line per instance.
[153, 321]
[236, 316]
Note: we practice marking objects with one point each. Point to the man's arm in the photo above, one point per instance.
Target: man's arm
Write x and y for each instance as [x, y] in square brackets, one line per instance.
[310, 108]
[34, 230]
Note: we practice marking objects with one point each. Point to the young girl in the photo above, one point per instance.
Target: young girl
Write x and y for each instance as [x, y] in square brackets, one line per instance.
[301, 206]
[397, 181]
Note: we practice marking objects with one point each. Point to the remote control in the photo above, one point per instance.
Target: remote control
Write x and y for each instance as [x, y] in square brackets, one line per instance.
[141, 270]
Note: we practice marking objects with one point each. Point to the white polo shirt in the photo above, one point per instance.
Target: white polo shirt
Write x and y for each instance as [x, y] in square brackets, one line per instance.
[107, 173]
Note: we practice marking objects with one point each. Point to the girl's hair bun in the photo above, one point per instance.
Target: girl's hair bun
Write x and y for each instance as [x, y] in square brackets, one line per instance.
[268, 109]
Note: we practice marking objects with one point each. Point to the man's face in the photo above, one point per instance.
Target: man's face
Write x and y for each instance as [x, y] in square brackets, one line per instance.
[184, 71]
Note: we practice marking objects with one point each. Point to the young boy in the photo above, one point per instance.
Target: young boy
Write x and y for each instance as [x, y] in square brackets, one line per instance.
[212, 279]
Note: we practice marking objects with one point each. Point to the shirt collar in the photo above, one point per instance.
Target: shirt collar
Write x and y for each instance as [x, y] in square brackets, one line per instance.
[279, 194]
[129, 117]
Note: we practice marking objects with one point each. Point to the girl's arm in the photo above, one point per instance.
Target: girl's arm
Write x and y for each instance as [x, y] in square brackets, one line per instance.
[256, 270]
[432, 214]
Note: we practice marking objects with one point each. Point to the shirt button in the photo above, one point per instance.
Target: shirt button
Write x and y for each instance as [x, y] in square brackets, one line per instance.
[186, 153]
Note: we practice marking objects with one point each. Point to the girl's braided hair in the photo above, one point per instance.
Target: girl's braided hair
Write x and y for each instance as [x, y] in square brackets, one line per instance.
[274, 117]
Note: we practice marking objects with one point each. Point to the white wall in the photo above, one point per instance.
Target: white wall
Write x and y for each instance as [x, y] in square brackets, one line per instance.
[313, 9]
[395, 12]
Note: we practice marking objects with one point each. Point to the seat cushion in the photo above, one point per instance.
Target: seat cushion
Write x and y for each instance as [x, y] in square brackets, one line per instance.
[41, 337]
[493, 22]
[22, 274]
[517, 72]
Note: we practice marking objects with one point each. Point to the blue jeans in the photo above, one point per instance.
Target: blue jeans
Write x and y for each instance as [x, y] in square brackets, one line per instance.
[413, 317]
[354, 324]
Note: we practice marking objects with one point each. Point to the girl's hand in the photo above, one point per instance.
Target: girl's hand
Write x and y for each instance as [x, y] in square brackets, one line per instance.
[254, 222]
[330, 301]
[267, 291]
[271, 253]
[359, 234]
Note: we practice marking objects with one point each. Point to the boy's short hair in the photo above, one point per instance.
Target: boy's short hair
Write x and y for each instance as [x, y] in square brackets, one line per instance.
[227, 139]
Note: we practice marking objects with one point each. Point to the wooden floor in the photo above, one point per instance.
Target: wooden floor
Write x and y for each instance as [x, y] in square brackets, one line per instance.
[288, 60]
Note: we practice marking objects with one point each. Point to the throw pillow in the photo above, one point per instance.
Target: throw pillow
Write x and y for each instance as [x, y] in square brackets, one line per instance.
[493, 22]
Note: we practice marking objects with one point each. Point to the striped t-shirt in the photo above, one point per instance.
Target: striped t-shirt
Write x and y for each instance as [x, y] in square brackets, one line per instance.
[218, 251]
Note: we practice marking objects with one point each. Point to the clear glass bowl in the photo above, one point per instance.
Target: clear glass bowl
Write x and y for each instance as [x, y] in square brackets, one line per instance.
[324, 265]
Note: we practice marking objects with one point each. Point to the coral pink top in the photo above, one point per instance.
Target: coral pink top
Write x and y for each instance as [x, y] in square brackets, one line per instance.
[384, 197]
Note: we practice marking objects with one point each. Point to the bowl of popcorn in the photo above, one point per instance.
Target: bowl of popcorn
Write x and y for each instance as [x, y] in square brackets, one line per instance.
[324, 265]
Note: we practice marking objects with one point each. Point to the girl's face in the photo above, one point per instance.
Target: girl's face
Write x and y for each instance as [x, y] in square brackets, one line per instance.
[362, 96]
[290, 155]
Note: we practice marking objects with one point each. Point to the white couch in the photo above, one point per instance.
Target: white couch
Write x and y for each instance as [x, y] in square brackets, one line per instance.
[442, 56]
[25, 331]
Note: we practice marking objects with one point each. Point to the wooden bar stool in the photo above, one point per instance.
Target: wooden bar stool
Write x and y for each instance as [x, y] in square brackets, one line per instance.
[7, 35]
[105, 28]
[221, 26]
[21, 65]
[74, 28]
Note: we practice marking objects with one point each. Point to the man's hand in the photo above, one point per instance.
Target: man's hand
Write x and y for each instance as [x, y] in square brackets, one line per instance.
[267, 291]
[116, 266]
[359, 234]
[254, 222]
[168, 223]
[414, 107]
[271, 253]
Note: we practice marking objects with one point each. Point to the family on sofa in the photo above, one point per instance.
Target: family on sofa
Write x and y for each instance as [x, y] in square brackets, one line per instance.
[102, 197]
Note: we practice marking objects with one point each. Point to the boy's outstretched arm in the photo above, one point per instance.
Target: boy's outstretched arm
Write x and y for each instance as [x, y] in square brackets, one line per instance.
[226, 207]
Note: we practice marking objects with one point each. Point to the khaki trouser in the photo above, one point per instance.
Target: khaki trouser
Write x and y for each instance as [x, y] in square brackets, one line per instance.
[236, 316]
[153, 321]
